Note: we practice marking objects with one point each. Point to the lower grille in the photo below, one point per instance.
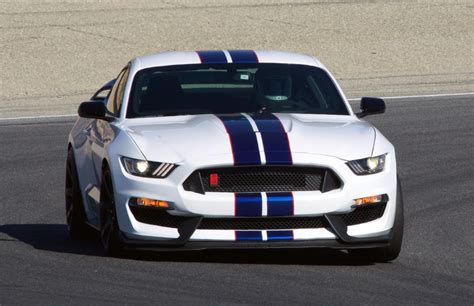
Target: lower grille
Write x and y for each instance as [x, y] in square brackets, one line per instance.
[262, 223]
[364, 214]
[263, 179]
[162, 218]
[156, 217]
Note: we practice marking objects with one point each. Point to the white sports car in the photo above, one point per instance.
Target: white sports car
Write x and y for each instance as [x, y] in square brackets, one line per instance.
[232, 149]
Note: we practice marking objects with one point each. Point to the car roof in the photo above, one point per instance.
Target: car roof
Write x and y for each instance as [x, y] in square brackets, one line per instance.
[193, 57]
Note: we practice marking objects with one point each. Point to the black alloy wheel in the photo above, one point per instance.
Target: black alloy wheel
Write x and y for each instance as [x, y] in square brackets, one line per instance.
[75, 214]
[109, 232]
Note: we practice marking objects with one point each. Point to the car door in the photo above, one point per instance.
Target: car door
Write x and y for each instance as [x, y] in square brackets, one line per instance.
[99, 134]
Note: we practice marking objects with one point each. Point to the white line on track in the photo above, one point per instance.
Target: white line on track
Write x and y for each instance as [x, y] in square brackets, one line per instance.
[37, 117]
[351, 99]
[422, 96]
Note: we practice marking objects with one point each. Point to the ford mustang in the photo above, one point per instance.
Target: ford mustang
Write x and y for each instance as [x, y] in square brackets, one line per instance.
[232, 149]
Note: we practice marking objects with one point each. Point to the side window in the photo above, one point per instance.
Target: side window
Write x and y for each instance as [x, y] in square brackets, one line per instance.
[116, 94]
[101, 95]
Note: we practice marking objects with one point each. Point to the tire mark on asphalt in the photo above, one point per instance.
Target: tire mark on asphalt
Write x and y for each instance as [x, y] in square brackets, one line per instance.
[98, 35]
[35, 26]
[227, 6]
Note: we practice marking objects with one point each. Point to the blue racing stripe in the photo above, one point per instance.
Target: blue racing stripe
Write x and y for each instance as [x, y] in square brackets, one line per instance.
[280, 204]
[212, 57]
[248, 204]
[243, 140]
[275, 139]
[243, 56]
[248, 235]
[279, 235]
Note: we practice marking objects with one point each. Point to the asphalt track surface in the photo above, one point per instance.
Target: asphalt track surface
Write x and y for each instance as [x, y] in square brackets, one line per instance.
[434, 141]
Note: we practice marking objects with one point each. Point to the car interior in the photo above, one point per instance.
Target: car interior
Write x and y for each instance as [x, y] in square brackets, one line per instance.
[231, 90]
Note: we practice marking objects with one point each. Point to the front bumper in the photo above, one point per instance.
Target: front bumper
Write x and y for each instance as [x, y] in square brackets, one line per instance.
[337, 226]
[223, 245]
[195, 206]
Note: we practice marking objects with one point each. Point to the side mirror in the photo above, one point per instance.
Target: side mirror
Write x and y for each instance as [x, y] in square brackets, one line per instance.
[94, 109]
[371, 106]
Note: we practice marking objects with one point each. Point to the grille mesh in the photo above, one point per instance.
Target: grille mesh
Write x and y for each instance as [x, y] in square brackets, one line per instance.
[162, 218]
[156, 217]
[364, 214]
[261, 179]
[262, 223]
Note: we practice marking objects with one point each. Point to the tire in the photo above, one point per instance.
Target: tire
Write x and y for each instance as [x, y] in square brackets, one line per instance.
[109, 231]
[75, 214]
[390, 252]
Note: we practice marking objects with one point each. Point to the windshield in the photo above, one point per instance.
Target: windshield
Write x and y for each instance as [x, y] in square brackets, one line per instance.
[233, 88]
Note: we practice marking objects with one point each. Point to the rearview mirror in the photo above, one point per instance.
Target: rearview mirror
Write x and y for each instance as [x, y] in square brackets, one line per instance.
[371, 106]
[94, 109]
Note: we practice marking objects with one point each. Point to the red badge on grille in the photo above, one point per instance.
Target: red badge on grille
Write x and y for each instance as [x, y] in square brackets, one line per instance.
[214, 180]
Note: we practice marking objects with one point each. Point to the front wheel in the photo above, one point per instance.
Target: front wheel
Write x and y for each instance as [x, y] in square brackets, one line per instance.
[109, 232]
[75, 214]
[391, 251]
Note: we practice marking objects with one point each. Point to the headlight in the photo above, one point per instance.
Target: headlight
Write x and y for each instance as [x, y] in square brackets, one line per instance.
[146, 168]
[368, 165]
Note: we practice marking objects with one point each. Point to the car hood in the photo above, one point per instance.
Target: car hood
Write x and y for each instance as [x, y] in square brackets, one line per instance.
[179, 138]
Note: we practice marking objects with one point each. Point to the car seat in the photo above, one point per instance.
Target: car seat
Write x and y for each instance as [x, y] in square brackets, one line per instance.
[272, 86]
[163, 92]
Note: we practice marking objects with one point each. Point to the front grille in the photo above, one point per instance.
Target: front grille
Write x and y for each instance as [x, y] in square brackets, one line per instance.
[262, 223]
[263, 179]
[162, 218]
